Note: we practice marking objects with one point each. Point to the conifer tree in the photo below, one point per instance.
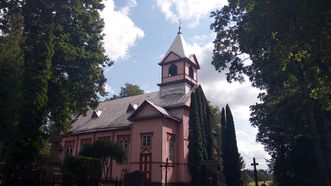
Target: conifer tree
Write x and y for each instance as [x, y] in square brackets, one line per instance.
[209, 134]
[202, 116]
[230, 152]
[195, 155]
[201, 144]
[223, 134]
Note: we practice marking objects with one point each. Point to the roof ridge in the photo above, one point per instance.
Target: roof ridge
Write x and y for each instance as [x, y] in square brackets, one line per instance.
[122, 98]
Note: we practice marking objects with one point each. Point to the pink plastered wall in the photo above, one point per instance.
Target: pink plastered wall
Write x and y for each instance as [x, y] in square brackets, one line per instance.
[118, 169]
[170, 127]
[153, 126]
[183, 174]
[171, 57]
[165, 69]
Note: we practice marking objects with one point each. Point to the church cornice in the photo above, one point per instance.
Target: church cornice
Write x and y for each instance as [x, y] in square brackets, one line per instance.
[176, 82]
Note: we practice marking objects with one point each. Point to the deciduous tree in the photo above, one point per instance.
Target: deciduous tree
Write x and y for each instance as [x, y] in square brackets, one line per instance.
[288, 43]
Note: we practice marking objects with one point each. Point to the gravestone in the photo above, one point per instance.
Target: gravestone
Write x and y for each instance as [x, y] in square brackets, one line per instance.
[134, 178]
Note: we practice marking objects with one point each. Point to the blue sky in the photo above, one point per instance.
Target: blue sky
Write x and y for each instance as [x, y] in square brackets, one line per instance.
[138, 34]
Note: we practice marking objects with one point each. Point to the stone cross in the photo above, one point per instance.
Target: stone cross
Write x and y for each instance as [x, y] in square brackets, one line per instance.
[255, 172]
[166, 165]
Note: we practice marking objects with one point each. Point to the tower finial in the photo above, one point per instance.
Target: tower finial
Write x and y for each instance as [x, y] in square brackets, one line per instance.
[180, 26]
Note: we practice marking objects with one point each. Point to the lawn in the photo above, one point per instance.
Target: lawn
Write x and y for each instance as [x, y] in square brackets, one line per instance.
[260, 182]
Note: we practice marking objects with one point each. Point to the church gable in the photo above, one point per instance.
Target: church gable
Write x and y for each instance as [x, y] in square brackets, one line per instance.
[194, 60]
[172, 56]
[148, 110]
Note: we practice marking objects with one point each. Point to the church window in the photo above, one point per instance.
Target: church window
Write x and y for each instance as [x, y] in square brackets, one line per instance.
[171, 141]
[124, 142]
[191, 72]
[172, 70]
[146, 140]
[84, 142]
[69, 148]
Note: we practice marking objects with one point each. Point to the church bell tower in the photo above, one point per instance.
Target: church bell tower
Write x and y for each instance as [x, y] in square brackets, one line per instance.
[178, 69]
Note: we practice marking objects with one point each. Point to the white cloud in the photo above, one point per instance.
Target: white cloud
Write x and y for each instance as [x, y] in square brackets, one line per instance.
[238, 96]
[108, 88]
[120, 31]
[188, 10]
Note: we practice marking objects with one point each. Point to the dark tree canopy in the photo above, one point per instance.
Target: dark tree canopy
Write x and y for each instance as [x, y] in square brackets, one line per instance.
[106, 151]
[53, 56]
[201, 144]
[288, 43]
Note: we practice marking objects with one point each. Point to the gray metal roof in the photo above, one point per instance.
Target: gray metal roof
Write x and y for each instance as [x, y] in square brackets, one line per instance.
[178, 46]
[114, 113]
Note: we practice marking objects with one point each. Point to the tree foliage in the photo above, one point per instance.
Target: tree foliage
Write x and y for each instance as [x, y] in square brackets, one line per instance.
[52, 52]
[288, 43]
[248, 175]
[128, 90]
[106, 151]
[232, 161]
[11, 70]
[81, 170]
[201, 144]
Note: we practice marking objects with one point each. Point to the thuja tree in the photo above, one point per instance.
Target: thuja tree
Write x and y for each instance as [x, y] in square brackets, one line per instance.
[195, 155]
[200, 135]
[290, 62]
[61, 59]
[230, 154]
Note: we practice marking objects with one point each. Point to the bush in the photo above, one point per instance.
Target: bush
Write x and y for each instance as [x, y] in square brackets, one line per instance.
[81, 170]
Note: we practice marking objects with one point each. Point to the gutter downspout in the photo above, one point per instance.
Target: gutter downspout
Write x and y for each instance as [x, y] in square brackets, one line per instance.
[76, 149]
[130, 148]
[161, 168]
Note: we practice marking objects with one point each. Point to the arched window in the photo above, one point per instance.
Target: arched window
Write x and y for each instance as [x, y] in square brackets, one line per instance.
[171, 139]
[124, 142]
[172, 70]
[191, 72]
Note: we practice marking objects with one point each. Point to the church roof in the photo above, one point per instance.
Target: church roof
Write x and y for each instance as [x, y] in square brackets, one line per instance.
[178, 46]
[114, 113]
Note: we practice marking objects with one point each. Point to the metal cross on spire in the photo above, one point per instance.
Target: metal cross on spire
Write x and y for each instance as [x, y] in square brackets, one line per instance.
[180, 26]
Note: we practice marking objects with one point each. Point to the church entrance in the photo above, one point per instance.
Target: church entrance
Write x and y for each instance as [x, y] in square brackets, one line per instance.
[146, 165]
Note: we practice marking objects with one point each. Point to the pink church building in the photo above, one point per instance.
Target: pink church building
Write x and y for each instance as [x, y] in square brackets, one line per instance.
[151, 127]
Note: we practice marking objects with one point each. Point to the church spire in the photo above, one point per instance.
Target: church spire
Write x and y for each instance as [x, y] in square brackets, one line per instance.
[179, 70]
[178, 46]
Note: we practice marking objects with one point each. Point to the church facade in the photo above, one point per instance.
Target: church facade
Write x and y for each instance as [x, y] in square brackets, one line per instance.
[152, 127]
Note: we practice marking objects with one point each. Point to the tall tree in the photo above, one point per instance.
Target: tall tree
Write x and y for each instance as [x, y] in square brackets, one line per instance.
[38, 51]
[61, 76]
[291, 63]
[195, 155]
[77, 74]
[202, 116]
[201, 136]
[11, 69]
[231, 156]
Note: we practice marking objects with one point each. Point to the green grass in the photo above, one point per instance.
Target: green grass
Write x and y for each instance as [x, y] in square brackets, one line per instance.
[260, 182]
